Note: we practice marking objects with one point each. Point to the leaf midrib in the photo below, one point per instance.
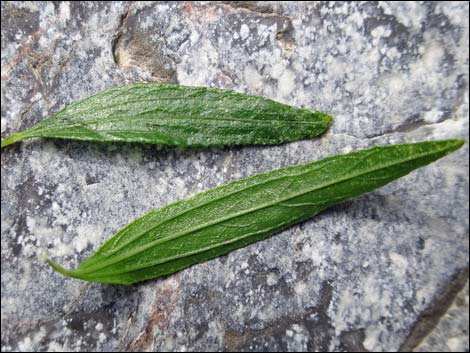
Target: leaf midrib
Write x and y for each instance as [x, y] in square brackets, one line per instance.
[201, 250]
[208, 202]
[91, 107]
[238, 214]
[84, 123]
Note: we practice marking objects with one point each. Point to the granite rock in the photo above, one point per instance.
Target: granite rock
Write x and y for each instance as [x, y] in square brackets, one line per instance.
[356, 277]
[451, 332]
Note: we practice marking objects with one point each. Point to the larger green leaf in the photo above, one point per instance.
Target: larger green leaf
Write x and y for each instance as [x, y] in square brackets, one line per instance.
[215, 222]
[178, 115]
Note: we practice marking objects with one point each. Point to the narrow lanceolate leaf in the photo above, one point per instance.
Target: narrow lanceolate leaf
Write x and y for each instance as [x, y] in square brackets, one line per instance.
[180, 116]
[215, 222]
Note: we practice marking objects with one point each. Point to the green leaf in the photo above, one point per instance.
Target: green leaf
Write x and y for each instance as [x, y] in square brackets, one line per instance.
[179, 116]
[229, 217]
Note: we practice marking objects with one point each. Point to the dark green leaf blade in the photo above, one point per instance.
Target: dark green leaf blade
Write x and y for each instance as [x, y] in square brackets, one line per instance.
[220, 220]
[178, 115]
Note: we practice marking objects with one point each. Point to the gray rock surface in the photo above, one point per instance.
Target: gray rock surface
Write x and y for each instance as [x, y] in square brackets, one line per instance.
[451, 332]
[357, 277]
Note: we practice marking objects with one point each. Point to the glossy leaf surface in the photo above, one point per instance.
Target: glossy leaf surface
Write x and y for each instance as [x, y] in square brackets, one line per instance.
[229, 217]
[179, 116]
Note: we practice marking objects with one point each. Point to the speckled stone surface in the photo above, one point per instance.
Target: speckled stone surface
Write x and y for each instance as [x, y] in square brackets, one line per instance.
[357, 277]
[451, 332]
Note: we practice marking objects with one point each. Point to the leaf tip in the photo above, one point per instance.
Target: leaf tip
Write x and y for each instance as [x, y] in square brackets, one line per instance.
[459, 143]
[453, 144]
[328, 119]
